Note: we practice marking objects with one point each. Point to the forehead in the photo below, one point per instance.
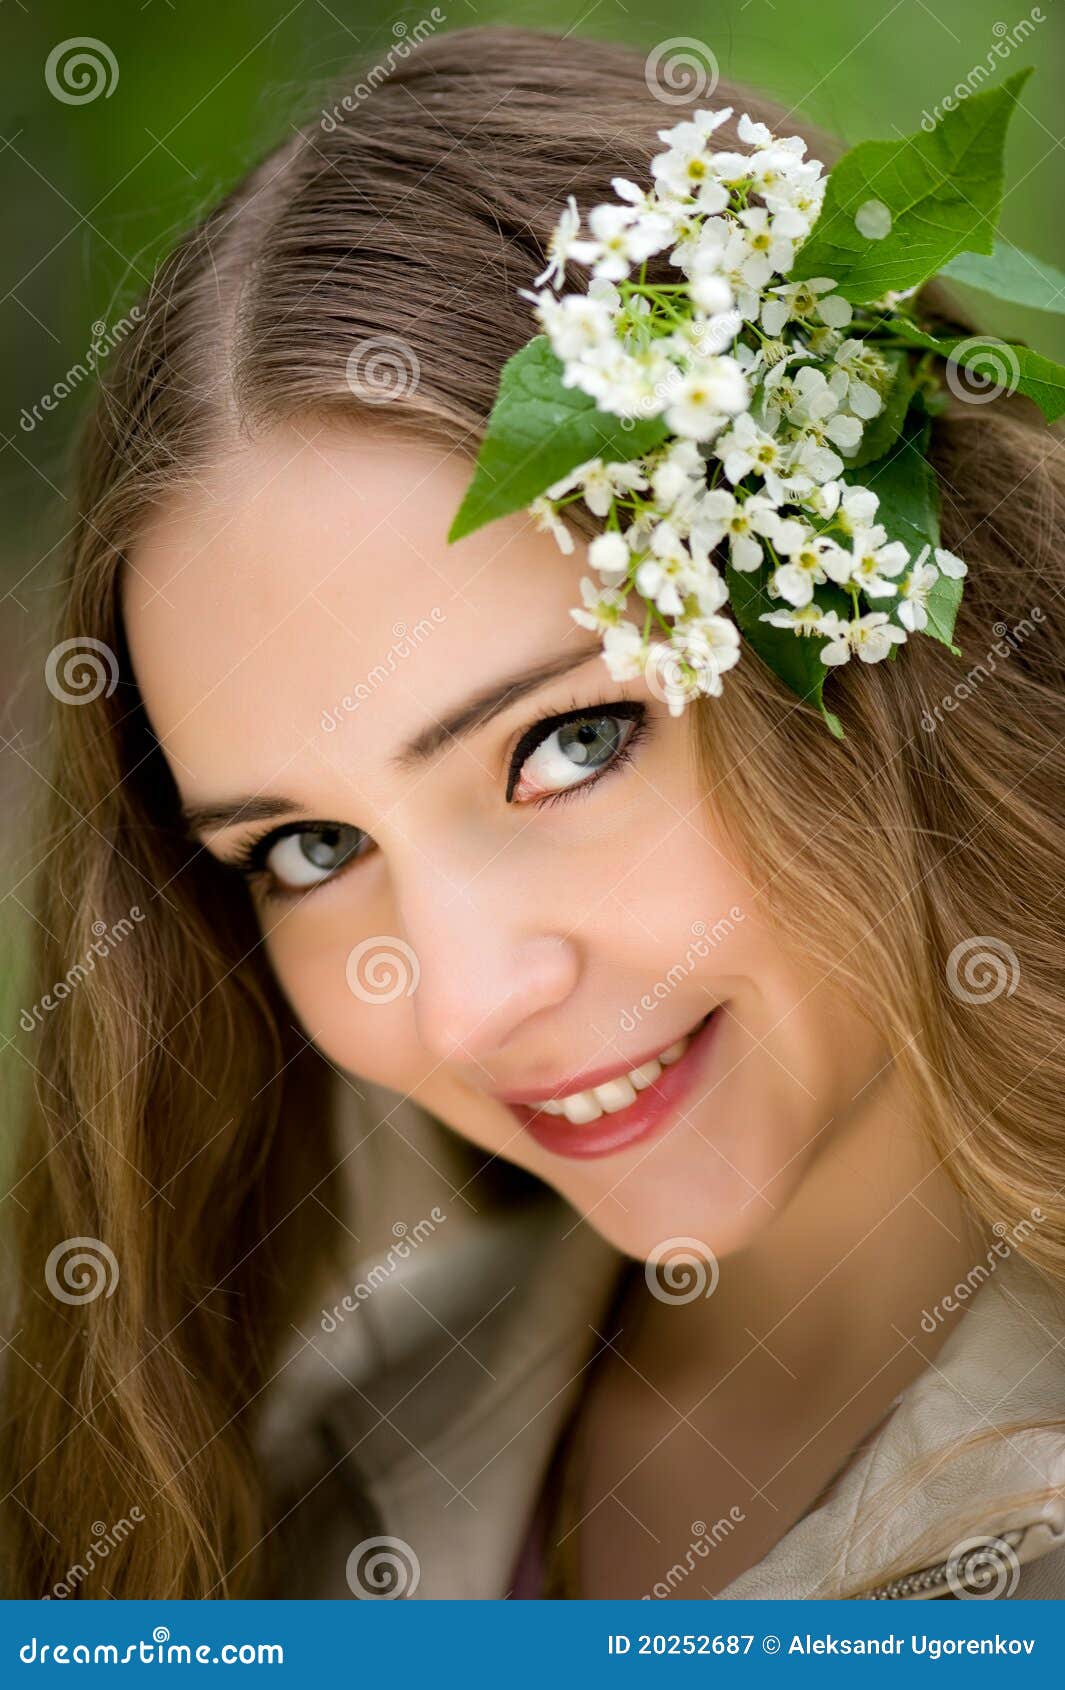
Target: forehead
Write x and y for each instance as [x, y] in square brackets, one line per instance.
[313, 569]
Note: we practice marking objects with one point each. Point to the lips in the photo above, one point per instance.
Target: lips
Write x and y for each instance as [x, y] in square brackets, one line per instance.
[589, 1078]
[651, 1112]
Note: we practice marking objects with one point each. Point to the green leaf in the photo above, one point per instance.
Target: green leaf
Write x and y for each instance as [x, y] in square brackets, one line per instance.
[998, 365]
[905, 483]
[884, 429]
[943, 189]
[538, 431]
[794, 658]
[1010, 273]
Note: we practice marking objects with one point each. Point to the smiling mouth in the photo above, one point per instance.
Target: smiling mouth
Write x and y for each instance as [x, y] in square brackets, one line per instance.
[582, 1107]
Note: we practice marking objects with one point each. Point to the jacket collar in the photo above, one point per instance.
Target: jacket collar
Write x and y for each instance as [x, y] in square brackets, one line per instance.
[441, 1389]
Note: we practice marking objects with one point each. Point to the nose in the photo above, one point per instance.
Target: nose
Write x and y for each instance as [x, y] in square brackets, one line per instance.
[487, 964]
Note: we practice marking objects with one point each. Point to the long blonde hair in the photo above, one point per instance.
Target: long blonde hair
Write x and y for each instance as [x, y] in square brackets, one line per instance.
[416, 211]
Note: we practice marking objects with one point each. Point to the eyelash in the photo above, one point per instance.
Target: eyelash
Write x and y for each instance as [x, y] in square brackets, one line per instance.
[250, 860]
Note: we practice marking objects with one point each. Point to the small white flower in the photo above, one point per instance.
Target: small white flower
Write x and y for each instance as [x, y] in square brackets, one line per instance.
[603, 607]
[857, 509]
[575, 324]
[559, 245]
[621, 238]
[871, 637]
[609, 555]
[680, 468]
[547, 519]
[711, 292]
[949, 564]
[600, 483]
[721, 513]
[805, 568]
[810, 457]
[815, 410]
[766, 235]
[808, 620]
[746, 448]
[913, 594]
[663, 577]
[871, 564]
[706, 397]
[803, 301]
[623, 651]
[859, 374]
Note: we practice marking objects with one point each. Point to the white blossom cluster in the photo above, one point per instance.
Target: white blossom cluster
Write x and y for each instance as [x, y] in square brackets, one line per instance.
[765, 395]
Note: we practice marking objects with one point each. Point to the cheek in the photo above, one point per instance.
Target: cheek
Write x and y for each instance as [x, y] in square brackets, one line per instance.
[351, 996]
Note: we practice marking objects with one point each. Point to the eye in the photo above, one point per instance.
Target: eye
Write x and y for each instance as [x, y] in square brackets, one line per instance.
[563, 753]
[289, 860]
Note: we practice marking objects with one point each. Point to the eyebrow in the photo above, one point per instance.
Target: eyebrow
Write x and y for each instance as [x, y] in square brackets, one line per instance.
[466, 718]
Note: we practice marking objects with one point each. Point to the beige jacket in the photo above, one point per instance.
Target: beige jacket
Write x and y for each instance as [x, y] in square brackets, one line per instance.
[440, 1390]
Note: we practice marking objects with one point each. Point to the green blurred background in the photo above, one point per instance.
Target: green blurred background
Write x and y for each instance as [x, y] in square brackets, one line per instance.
[95, 193]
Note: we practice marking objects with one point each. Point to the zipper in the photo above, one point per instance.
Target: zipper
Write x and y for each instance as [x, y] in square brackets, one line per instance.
[925, 1581]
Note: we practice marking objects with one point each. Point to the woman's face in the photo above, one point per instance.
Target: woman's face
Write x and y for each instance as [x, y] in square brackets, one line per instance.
[461, 899]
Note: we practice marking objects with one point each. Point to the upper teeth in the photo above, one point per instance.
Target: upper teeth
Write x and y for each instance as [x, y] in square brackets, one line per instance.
[580, 1107]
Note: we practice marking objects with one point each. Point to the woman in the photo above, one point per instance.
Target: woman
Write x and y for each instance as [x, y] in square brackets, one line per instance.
[759, 1307]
